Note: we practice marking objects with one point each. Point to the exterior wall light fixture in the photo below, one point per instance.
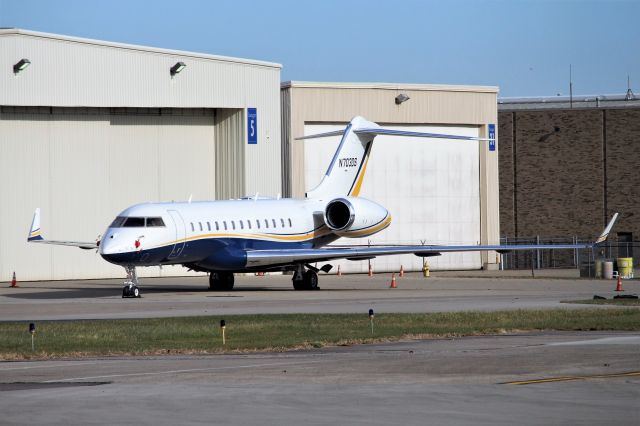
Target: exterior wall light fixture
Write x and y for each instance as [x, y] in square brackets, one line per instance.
[21, 65]
[179, 66]
[402, 98]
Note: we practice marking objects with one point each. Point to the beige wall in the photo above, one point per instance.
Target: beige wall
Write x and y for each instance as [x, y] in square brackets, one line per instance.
[304, 102]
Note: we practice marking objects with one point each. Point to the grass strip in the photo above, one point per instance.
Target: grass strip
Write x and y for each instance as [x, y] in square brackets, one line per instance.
[245, 333]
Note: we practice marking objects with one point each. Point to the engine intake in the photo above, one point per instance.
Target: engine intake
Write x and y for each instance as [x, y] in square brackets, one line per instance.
[355, 217]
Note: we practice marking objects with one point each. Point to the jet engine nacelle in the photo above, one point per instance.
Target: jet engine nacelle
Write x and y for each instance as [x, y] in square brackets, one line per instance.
[355, 217]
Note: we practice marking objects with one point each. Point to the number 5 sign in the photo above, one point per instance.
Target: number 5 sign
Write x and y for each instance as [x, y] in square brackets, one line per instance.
[252, 126]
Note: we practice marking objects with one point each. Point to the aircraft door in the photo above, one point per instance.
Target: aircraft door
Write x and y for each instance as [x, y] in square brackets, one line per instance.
[179, 226]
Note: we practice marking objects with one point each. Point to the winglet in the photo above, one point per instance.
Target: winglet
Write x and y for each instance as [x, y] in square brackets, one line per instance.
[603, 237]
[34, 232]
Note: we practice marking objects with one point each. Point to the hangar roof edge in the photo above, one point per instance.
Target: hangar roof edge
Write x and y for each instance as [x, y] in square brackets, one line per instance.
[22, 32]
[389, 86]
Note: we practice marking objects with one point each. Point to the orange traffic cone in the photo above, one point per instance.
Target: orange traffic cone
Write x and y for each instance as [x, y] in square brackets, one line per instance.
[13, 280]
[401, 271]
[393, 281]
[339, 271]
[619, 286]
[370, 271]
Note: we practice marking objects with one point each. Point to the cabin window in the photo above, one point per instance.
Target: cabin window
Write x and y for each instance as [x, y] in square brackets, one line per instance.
[200, 223]
[274, 223]
[266, 223]
[241, 225]
[258, 223]
[217, 227]
[290, 224]
[192, 228]
[249, 224]
[208, 226]
[282, 222]
[154, 221]
[224, 222]
[233, 224]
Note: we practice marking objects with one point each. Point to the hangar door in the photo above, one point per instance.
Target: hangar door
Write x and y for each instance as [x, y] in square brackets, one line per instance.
[431, 188]
[82, 166]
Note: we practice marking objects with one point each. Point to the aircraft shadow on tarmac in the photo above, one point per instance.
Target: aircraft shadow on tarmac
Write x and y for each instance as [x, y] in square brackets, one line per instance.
[97, 292]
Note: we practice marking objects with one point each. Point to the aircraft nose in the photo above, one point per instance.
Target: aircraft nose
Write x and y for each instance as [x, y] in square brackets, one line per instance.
[108, 243]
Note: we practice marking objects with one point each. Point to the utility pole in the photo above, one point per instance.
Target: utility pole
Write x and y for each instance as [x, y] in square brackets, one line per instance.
[570, 88]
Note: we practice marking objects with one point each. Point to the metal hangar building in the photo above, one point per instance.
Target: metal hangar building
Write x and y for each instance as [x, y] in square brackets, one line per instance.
[88, 128]
[438, 191]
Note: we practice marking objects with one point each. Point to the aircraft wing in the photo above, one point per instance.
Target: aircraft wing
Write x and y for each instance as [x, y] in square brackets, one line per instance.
[35, 236]
[257, 258]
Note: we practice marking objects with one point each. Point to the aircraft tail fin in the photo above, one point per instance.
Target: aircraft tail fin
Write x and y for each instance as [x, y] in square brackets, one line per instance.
[35, 233]
[347, 168]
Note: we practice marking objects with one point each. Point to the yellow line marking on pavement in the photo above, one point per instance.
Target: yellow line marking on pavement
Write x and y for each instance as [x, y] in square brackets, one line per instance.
[570, 378]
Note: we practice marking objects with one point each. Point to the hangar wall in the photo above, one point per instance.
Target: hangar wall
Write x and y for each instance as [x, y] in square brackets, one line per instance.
[565, 171]
[91, 127]
[309, 103]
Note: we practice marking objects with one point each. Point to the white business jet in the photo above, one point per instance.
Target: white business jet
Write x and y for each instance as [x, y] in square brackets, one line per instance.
[258, 235]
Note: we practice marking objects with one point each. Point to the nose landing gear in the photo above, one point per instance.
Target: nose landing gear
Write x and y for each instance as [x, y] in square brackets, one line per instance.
[130, 288]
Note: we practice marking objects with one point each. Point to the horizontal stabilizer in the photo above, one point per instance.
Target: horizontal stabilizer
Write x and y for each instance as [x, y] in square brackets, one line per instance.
[392, 132]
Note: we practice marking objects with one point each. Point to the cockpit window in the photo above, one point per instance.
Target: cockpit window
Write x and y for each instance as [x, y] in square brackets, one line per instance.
[134, 222]
[118, 222]
[155, 221]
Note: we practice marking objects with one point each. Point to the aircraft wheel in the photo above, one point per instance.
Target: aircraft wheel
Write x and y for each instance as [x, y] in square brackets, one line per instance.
[311, 280]
[135, 291]
[221, 281]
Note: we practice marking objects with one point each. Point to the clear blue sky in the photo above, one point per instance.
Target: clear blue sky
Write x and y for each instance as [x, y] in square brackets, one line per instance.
[523, 46]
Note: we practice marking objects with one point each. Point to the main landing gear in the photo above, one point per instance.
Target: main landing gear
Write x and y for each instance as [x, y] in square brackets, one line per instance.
[221, 281]
[130, 288]
[305, 280]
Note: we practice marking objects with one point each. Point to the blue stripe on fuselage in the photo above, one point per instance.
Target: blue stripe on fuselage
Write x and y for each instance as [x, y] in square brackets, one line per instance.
[220, 254]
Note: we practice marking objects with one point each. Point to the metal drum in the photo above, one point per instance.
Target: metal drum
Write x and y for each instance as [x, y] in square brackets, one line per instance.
[607, 270]
[625, 267]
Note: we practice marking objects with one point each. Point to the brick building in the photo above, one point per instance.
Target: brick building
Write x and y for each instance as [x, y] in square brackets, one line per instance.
[565, 168]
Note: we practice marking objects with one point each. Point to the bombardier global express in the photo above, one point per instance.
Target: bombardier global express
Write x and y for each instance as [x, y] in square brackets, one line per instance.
[258, 235]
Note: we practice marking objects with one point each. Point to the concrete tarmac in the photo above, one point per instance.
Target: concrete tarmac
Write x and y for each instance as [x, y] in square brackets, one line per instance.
[186, 296]
[587, 378]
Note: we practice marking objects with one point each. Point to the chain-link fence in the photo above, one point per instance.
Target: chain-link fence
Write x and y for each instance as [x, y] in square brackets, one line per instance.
[571, 258]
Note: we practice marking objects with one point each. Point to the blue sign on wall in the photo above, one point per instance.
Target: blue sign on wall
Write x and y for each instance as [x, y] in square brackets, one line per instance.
[252, 126]
[492, 137]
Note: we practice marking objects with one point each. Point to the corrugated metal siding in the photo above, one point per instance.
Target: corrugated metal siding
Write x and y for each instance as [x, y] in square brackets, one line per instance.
[83, 169]
[98, 76]
[230, 182]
